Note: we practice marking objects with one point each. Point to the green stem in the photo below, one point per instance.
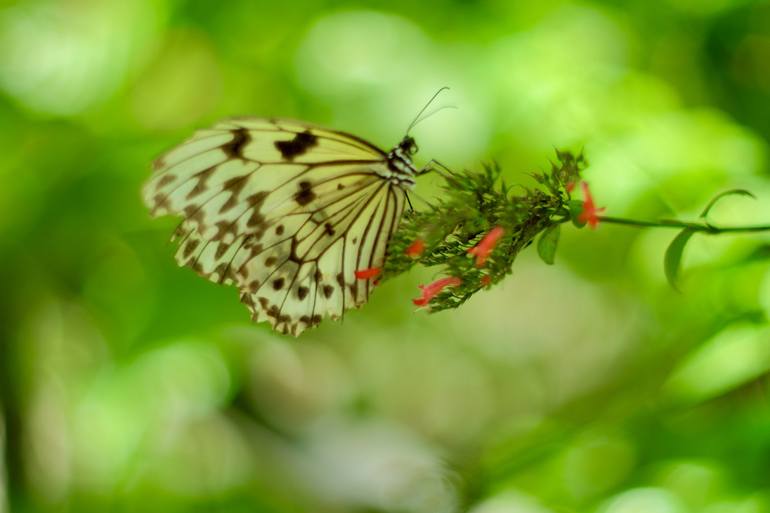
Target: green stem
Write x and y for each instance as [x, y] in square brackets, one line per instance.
[673, 223]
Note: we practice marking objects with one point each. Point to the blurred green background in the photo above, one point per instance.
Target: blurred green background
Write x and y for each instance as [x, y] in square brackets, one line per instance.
[128, 384]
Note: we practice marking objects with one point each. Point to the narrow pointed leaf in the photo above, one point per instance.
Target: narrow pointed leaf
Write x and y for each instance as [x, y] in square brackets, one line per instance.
[672, 261]
[760, 253]
[546, 246]
[731, 192]
[575, 209]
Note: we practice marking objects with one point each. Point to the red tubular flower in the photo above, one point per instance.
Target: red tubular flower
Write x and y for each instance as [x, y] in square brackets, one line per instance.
[430, 291]
[590, 214]
[415, 249]
[365, 274]
[570, 187]
[487, 244]
[485, 280]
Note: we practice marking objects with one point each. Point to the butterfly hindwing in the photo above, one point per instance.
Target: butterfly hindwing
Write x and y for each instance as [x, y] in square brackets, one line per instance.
[285, 211]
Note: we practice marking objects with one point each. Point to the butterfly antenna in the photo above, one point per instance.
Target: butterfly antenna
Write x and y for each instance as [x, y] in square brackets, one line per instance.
[417, 117]
[431, 113]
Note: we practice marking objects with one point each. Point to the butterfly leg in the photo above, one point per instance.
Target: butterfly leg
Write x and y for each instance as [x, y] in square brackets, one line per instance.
[434, 165]
[411, 208]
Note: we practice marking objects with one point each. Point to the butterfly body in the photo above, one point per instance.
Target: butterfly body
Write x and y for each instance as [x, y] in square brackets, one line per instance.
[284, 210]
[399, 161]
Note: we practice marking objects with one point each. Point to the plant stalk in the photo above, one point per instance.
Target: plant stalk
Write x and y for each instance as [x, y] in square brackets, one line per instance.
[703, 227]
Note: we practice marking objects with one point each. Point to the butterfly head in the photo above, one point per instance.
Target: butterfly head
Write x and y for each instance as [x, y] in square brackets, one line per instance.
[400, 158]
[408, 146]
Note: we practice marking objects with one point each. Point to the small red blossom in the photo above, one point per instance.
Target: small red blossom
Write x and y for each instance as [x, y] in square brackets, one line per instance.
[590, 214]
[570, 187]
[365, 274]
[431, 290]
[485, 280]
[487, 244]
[415, 249]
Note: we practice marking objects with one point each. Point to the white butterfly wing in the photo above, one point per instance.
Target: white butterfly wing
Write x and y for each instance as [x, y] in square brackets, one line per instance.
[284, 210]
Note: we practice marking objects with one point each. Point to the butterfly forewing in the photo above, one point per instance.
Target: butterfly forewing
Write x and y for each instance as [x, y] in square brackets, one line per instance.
[284, 210]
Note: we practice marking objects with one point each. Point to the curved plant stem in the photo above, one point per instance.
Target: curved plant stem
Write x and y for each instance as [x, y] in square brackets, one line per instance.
[673, 223]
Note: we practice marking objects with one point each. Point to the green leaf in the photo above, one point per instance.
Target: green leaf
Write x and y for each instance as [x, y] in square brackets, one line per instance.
[759, 253]
[575, 209]
[731, 192]
[735, 356]
[672, 261]
[549, 240]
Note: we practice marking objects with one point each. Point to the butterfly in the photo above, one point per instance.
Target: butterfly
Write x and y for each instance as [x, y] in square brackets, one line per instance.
[286, 211]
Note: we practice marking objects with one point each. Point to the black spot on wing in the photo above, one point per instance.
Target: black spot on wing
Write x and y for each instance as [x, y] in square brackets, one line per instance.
[234, 149]
[305, 194]
[297, 146]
